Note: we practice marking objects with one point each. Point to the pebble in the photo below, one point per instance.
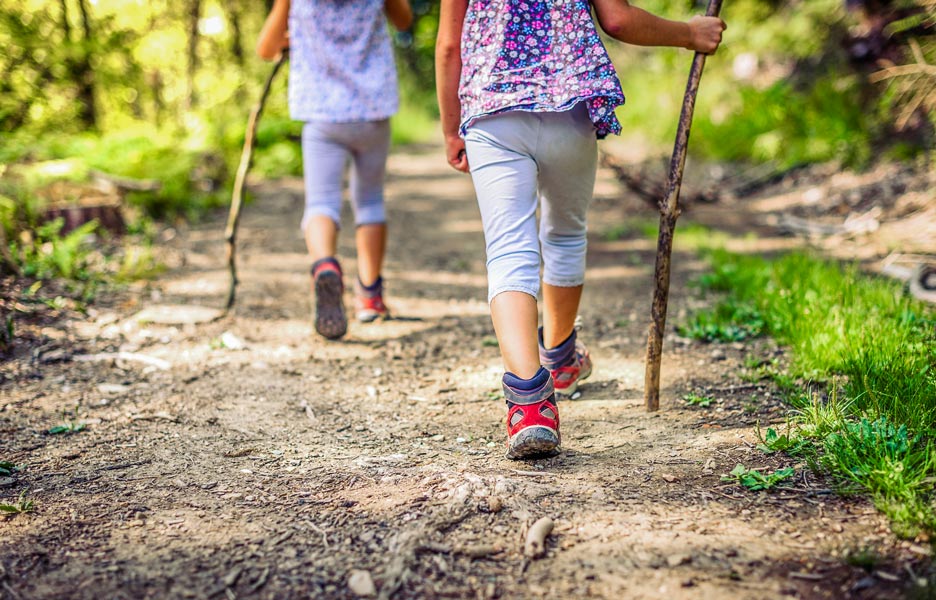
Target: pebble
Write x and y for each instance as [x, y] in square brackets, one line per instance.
[232, 342]
[674, 560]
[113, 388]
[438, 438]
[362, 584]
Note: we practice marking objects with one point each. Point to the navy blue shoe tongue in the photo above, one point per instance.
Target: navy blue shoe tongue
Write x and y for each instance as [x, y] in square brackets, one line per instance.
[561, 355]
[373, 289]
[527, 385]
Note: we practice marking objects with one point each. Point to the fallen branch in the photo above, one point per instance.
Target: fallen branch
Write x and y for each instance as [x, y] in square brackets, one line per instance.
[152, 361]
[649, 191]
[647, 188]
[237, 195]
[535, 546]
[122, 185]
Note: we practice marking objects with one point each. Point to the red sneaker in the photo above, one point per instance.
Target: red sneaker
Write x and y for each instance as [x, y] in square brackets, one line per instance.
[532, 421]
[368, 302]
[330, 319]
[575, 361]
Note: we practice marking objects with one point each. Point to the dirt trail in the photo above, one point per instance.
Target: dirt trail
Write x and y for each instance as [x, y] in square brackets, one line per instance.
[276, 469]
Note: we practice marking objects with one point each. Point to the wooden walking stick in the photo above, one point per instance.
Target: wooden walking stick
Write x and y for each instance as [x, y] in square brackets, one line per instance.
[237, 195]
[669, 212]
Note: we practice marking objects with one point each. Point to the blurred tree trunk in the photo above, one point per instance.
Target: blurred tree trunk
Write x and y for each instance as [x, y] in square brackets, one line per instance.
[85, 74]
[234, 16]
[194, 12]
[237, 43]
[79, 64]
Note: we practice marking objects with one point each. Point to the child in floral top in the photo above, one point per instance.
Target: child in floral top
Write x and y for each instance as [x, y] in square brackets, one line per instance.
[525, 88]
[342, 83]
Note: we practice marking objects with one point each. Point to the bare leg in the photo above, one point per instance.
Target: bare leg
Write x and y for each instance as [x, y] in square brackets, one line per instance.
[371, 244]
[560, 306]
[321, 237]
[515, 320]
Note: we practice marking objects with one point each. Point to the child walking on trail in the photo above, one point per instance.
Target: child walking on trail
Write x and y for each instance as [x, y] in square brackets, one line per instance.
[525, 89]
[342, 84]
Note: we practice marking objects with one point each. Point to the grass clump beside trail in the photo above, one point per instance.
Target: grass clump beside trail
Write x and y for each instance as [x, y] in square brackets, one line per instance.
[870, 349]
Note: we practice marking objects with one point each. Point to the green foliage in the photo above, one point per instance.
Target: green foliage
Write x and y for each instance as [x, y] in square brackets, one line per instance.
[863, 558]
[698, 400]
[7, 468]
[754, 480]
[894, 467]
[53, 255]
[66, 428]
[790, 126]
[801, 98]
[20, 506]
[728, 322]
[874, 429]
[836, 321]
[772, 441]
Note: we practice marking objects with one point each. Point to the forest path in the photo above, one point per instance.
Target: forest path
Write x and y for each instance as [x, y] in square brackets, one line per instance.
[266, 462]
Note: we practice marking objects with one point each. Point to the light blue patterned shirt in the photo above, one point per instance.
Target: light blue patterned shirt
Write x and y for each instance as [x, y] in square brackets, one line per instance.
[341, 62]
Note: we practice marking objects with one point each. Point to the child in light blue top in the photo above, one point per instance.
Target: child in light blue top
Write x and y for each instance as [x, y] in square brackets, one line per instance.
[343, 85]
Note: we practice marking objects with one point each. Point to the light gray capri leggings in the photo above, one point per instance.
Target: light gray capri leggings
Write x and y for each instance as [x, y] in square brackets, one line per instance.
[517, 158]
[326, 148]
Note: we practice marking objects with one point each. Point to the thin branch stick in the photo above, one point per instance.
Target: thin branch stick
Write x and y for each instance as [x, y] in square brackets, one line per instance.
[669, 212]
[535, 545]
[237, 195]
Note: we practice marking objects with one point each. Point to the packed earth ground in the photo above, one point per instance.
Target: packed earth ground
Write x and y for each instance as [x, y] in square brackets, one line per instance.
[242, 456]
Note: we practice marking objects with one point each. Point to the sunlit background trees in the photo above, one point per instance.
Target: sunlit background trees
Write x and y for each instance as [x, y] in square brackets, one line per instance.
[160, 91]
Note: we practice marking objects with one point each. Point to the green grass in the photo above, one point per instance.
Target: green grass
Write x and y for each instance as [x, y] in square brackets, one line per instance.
[861, 376]
[697, 400]
[727, 322]
[66, 428]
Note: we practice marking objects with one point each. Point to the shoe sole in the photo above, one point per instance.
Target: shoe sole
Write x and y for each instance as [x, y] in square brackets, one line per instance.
[533, 442]
[330, 319]
[369, 316]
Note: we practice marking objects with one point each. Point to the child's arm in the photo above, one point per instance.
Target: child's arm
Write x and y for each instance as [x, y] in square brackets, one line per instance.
[274, 37]
[399, 13]
[634, 25]
[448, 73]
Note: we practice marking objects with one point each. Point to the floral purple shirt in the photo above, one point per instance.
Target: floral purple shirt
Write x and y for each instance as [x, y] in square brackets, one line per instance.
[539, 56]
[341, 65]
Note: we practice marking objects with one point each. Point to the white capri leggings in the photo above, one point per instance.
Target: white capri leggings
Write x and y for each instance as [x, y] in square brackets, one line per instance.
[517, 158]
[326, 148]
